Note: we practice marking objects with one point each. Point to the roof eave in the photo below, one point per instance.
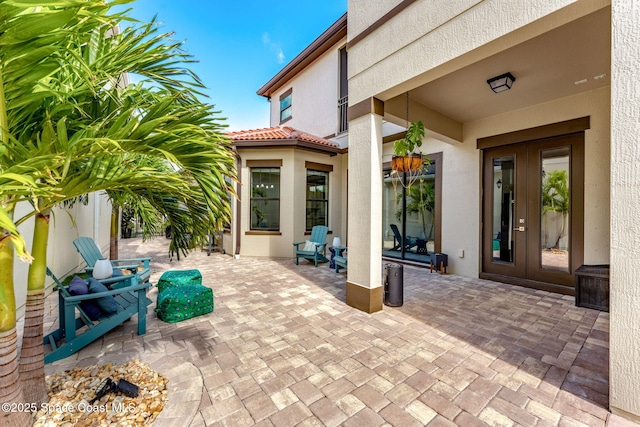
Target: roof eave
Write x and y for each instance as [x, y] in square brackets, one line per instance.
[286, 143]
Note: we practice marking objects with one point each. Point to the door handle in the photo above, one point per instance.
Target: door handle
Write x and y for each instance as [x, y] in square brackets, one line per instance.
[519, 229]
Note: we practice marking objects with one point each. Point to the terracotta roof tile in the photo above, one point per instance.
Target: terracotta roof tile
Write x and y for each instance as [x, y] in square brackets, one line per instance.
[278, 133]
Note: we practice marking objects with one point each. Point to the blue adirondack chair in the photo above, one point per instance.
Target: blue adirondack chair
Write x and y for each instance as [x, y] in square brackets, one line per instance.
[340, 259]
[91, 253]
[316, 247]
[77, 331]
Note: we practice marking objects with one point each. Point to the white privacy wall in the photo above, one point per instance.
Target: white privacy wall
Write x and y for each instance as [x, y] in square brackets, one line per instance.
[90, 220]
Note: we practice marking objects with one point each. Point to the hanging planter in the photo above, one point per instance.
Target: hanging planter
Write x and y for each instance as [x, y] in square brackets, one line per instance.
[406, 163]
[404, 159]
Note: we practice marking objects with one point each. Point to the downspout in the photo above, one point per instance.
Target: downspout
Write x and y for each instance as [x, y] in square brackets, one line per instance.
[238, 215]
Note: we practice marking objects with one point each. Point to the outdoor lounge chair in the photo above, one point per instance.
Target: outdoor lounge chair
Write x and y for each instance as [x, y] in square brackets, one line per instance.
[340, 259]
[91, 253]
[315, 248]
[81, 319]
[397, 240]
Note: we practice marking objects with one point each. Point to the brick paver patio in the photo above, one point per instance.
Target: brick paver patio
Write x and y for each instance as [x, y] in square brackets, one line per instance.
[283, 349]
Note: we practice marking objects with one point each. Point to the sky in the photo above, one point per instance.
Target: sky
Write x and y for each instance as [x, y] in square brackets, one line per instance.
[241, 44]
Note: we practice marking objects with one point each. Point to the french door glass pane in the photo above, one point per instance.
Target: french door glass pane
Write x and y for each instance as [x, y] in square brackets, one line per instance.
[554, 209]
[503, 208]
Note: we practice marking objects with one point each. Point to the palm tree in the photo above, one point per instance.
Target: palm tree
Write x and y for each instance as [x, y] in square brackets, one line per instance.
[421, 198]
[106, 137]
[129, 172]
[30, 39]
[555, 198]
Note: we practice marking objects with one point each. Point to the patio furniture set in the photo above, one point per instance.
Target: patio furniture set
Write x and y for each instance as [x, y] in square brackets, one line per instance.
[89, 308]
[314, 249]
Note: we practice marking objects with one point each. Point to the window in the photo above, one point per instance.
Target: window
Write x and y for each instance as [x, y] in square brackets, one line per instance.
[265, 198]
[412, 213]
[343, 100]
[343, 79]
[317, 198]
[285, 106]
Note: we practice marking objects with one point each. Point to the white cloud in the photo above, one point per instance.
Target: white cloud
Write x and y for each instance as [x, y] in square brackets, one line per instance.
[273, 47]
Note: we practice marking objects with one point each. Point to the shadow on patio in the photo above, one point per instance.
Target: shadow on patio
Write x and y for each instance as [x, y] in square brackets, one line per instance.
[532, 345]
[282, 348]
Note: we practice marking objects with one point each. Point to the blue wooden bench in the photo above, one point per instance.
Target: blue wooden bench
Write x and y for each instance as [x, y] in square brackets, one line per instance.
[76, 332]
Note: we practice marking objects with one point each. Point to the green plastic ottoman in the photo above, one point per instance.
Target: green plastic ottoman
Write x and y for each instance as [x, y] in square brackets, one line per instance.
[176, 278]
[184, 302]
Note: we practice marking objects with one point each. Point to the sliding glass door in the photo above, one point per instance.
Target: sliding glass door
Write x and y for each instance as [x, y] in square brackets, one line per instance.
[411, 213]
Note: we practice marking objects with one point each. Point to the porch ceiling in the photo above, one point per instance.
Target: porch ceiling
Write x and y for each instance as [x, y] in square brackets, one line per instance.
[546, 67]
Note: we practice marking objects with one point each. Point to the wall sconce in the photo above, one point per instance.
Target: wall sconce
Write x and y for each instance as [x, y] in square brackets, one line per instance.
[499, 184]
[502, 82]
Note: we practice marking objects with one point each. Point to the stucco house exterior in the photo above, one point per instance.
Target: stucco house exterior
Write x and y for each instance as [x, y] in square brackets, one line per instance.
[289, 181]
[529, 181]
[292, 175]
[570, 116]
[303, 154]
[568, 113]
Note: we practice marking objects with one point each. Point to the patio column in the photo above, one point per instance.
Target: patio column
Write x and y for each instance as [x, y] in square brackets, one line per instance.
[364, 277]
[624, 352]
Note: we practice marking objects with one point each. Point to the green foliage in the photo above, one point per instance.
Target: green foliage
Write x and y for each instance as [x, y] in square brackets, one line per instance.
[154, 141]
[555, 192]
[127, 218]
[33, 39]
[260, 215]
[421, 199]
[412, 139]
[555, 197]
[70, 126]
[259, 192]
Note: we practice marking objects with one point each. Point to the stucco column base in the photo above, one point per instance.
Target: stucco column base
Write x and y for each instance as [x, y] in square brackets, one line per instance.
[368, 300]
[624, 414]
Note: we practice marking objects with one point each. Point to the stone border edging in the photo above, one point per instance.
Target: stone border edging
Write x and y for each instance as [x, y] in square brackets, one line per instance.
[184, 387]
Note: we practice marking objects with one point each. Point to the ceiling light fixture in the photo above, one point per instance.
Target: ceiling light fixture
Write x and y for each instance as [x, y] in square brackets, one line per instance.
[502, 82]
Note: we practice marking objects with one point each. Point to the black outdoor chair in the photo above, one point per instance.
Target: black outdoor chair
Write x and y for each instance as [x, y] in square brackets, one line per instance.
[409, 242]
